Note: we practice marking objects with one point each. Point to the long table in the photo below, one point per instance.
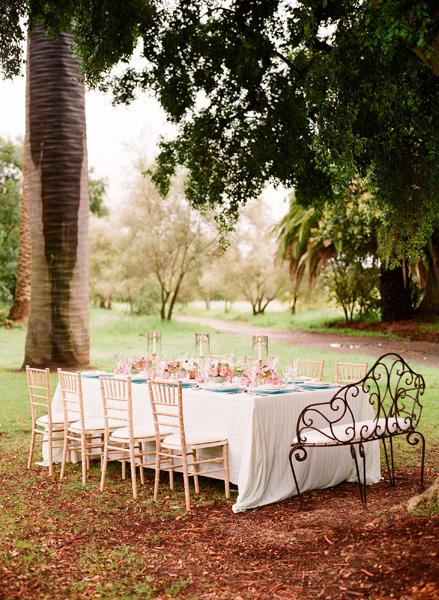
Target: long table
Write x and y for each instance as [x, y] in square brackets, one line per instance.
[260, 430]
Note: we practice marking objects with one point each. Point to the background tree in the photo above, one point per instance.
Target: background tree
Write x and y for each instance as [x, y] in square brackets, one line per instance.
[429, 306]
[298, 246]
[344, 236]
[10, 190]
[209, 286]
[280, 104]
[251, 258]
[97, 190]
[106, 268]
[163, 241]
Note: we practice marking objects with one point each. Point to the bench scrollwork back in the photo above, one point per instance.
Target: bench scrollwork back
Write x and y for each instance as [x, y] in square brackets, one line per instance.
[393, 391]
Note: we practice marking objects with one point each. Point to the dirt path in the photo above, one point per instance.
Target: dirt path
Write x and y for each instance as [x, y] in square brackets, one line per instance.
[420, 352]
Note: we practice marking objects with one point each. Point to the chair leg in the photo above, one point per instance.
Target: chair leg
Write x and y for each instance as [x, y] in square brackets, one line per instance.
[124, 469]
[413, 438]
[141, 468]
[187, 492]
[157, 475]
[64, 456]
[196, 470]
[83, 460]
[171, 471]
[299, 454]
[133, 470]
[226, 470]
[31, 449]
[50, 448]
[104, 461]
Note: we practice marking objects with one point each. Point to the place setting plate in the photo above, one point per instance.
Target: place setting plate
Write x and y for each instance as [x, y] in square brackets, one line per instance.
[270, 390]
[228, 388]
[95, 374]
[189, 383]
[318, 385]
[135, 378]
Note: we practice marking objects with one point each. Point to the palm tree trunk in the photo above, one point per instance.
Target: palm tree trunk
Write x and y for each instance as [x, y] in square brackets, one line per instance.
[20, 309]
[58, 329]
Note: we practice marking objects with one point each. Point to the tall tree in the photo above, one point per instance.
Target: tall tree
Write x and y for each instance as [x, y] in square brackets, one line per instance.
[58, 329]
[165, 240]
[20, 309]
[261, 92]
[249, 262]
[430, 304]
[277, 101]
[10, 189]
[346, 234]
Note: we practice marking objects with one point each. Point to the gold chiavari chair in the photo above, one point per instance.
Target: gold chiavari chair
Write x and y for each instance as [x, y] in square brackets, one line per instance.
[167, 408]
[127, 442]
[346, 372]
[44, 421]
[311, 368]
[85, 435]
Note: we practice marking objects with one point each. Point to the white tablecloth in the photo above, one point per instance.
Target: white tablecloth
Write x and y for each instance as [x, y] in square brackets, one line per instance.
[260, 430]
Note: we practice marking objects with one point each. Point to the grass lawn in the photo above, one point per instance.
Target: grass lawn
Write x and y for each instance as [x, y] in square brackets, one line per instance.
[63, 540]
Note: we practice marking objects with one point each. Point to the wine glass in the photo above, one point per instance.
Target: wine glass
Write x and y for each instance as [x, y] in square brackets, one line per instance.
[291, 370]
[253, 371]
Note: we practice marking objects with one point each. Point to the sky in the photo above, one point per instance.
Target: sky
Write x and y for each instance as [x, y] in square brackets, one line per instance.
[116, 136]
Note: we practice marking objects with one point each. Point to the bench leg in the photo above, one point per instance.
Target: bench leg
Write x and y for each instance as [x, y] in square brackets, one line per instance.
[300, 455]
[361, 481]
[413, 438]
[389, 461]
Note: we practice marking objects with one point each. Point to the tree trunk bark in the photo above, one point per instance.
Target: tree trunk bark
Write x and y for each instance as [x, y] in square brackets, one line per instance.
[429, 306]
[20, 309]
[395, 303]
[293, 305]
[58, 330]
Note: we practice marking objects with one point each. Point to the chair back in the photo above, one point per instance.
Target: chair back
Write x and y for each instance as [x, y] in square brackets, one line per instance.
[38, 383]
[167, 408]
[391, 387]
[117, 402]
[346, 372]
[72, 399]
[310, 368]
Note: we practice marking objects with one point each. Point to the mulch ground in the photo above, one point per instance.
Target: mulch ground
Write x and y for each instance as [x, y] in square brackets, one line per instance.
[323, 546]
[410, 329]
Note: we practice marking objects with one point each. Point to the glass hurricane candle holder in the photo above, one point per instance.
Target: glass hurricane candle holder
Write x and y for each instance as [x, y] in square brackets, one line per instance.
[154, 343]
[260, 346]
[202, 344]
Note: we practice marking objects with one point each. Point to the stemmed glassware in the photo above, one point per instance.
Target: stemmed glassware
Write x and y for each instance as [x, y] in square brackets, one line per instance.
[291, 371]
[253, 372]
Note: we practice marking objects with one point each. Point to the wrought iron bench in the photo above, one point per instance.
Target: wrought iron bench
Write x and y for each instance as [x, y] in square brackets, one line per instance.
[393, 390]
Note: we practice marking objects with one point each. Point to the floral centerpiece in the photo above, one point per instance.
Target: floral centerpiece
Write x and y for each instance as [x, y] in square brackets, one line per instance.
[173, 369]
[140, 363]
[220, 371]
[190, 367]
[266, 375]
[129, 366]
[239, 368]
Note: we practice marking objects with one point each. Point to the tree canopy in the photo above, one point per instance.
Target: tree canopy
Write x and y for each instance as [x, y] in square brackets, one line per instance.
[311, 94]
